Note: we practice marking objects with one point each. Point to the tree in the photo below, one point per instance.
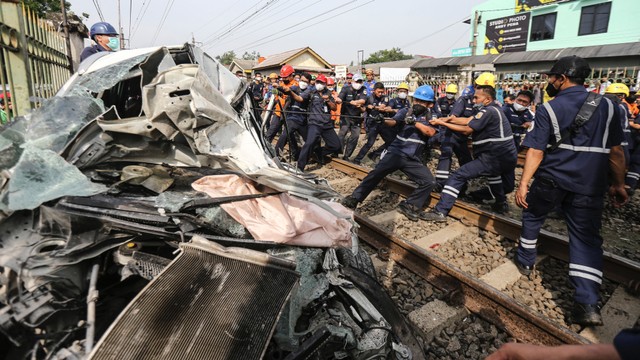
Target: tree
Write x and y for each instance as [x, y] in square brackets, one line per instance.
[250, 56]
[43, 7]
[227, 57]
[386, 55]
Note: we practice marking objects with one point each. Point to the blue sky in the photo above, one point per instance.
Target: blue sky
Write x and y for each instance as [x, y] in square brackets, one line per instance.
[336, 29]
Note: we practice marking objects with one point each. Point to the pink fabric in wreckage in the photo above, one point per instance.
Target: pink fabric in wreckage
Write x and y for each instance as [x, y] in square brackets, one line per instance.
[280, 218]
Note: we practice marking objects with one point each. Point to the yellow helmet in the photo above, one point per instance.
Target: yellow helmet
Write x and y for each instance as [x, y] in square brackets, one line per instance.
[403, 85]
[273, 76]
[452, 88]
[617, 88]
[486, 78]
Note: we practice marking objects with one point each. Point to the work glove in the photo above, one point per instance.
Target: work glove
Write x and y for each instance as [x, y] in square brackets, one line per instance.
[410, 120]
[378, 119]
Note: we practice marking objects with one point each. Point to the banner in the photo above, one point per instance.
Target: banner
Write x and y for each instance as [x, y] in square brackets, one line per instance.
[392, 77]
[507, 34]
[526, 5]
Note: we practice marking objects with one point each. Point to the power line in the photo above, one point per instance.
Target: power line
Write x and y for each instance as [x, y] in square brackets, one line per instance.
[275, 21]
[454, 43]
[248, 18]
[212, 35]
[298, 24]
[434, 33]
[165, 14]
[97, 6]
[138, 22]
[130, 11]
[309, 25]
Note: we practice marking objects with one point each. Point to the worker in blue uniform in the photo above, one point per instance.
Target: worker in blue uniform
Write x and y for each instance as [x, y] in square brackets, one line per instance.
[105, 37]
[404, 155]
[389, 133]
[494, 152]
[519, 115]
[377, 103]
[616, 92]
[370, 83]
[445, 103]
[296, 117]
[570, 158]
[633, 174]
[452, 142]
[353, 96]
[320, 125]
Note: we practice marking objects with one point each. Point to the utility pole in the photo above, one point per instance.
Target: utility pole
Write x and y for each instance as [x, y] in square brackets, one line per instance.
[65, 24]
[120, 28]
[474, 42]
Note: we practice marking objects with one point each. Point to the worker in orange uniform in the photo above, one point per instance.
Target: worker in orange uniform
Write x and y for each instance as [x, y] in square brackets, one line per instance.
[335, 114]
[286, 82]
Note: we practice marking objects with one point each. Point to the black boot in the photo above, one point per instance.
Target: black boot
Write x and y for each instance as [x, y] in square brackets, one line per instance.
[586, 314]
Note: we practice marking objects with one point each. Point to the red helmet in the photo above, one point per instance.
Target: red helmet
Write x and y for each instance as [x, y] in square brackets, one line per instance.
[330, 81]
[286, 71]
[321, 78]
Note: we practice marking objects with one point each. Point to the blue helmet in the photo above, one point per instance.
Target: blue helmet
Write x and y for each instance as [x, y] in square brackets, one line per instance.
[469, 90]
[102, 28]
[424, 93]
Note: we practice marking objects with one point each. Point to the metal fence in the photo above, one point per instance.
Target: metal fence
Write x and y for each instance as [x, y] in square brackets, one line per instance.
[33, 56]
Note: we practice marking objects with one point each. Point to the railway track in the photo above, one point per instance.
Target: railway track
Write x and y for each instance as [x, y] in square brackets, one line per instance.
[488, 293]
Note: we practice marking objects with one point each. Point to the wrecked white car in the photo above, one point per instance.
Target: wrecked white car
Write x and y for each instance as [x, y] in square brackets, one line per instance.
[143, 216]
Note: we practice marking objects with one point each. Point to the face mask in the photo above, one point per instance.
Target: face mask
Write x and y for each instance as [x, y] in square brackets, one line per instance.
[303, 85]
[518, 107]
[356, 86]
[418, 109]
[478, 106]
[319, 87]
[114, 43]
[402, 95]
[450, 96]
[551, 90]
[286, 81]
[330, 89]
[258, 79]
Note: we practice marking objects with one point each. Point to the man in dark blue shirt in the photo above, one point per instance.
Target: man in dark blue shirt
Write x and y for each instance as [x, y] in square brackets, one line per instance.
[404, 154]
[320, 104]
[353, 96]
[106, 38]
[296, 117]
[445, 103]
[571, 163]
[395, 105]
[519, 115]
[494, 152]
[376, 104]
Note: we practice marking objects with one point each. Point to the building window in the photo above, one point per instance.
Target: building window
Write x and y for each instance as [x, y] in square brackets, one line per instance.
[594, 19]
[543, 27]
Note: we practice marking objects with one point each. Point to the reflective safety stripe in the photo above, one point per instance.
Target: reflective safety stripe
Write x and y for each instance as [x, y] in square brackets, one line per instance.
[494, 178]
[450, 193]
[411, 140]
[509, 138]
[451, 188]
[495, 182]
[502, 137]
[584, 149]
[633, 175]
[528, 244]
[585, 276]
[554, 121]
[442, 176]
[442, 172]
[605, 137]
[585, 269]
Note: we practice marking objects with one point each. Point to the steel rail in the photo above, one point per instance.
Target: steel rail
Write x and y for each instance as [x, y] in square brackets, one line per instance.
[477, 296]
[616, 268]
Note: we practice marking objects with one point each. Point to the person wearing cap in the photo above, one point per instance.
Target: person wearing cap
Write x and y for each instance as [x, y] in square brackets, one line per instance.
[404, 154]
[370, 82]
[257, 87]
[349, 79]
[573, 174]
[389, 133]
[452, 142]
[320, 125]
[445, 103]
[353, 98]
[494, 152]
[377, 103]
[282, 91]
[296, 119]
[616, 93]
[105, 37]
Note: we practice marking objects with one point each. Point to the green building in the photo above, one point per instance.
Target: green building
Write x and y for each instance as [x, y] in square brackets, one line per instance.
[529, 25]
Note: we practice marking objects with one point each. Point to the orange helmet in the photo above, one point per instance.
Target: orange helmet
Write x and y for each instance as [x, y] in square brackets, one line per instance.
[321, 78]
[286, 70]
[331, 81]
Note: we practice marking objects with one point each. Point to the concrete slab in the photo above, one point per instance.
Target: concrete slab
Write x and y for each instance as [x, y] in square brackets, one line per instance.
[431, 318]
[386, 218]
[620, 312]
[506, 274]
[443, 235]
